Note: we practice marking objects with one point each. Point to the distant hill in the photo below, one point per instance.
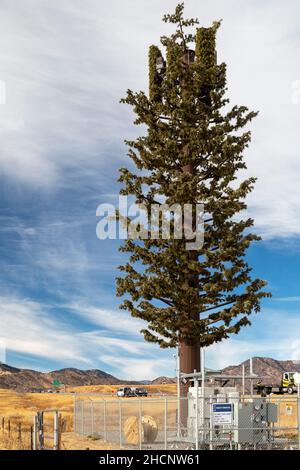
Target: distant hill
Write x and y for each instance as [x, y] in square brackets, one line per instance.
[164, 380]
[271, 369]
[25, 380]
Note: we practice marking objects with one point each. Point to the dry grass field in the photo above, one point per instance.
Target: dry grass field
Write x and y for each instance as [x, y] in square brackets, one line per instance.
[18, 409]
[166, 389]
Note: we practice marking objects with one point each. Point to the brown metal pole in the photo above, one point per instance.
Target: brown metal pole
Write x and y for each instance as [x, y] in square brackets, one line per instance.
[189, 353]
[189, 358]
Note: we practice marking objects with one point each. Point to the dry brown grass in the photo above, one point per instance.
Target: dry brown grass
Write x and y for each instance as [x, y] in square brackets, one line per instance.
[18, 408]
[287, 415]
[166, 389]
[21, 408]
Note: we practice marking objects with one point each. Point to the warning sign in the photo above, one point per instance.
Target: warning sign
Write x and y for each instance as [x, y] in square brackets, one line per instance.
[222, 413]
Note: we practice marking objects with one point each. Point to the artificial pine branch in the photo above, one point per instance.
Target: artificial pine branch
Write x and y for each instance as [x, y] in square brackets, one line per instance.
[192, 152]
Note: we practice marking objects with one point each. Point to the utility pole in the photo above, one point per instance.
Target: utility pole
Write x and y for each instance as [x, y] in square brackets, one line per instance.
[190, 353]
[178, 392]
[251, 373]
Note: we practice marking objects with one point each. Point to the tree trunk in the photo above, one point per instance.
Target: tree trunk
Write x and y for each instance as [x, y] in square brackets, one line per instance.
[189, 354]
[189, 358]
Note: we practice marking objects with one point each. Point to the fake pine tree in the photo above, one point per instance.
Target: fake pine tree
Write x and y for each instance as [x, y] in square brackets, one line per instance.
[192, 152]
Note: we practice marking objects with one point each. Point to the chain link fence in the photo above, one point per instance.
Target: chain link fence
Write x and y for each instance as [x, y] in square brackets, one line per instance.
[211, 422]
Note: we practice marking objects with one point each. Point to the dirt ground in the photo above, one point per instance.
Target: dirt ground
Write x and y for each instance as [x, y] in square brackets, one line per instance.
[70, 441]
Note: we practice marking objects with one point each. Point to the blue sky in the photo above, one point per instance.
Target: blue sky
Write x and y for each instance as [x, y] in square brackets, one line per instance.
[65, 66]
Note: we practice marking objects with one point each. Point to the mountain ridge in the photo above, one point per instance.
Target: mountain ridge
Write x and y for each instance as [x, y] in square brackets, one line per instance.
[24, 380]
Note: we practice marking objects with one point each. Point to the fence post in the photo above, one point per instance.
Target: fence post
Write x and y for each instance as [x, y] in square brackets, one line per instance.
[243, 382]
[197, 414]
[210, 424]
[82, 418]
[55, 429]
[20, 433]
[62, 425]
[34, 442]
[104, 421]
[298, 413]
[92, 417]
[120, 421]
[31, 437]
[166, 424]
[178, 395]
[140, 423]
[40, 415]
[74, 414]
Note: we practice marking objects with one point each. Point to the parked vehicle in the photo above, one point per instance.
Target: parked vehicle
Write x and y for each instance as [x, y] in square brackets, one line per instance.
[125, 392]
[132, 392]
[288, 385]
[141, 392]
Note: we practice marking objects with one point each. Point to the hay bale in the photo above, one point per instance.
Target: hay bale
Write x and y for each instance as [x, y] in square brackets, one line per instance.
[149, 429]
[131, 429]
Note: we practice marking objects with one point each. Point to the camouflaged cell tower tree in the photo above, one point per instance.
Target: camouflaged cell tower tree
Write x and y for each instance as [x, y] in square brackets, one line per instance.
[192, 152]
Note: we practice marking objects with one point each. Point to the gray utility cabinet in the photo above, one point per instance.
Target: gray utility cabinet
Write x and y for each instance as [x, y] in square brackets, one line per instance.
[253, 420]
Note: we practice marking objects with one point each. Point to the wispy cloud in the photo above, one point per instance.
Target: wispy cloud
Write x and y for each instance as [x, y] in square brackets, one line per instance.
[111, 320]
[143, 368]
[29, 328]
[62, 115]
[36, 330]
[61, 143]
[294, 298]
[276, 335]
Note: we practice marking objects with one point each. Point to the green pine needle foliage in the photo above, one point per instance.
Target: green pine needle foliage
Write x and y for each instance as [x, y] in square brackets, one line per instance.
[202, 296]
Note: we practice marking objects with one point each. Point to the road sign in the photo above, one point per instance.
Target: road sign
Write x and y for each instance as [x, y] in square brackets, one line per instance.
[222, 413]
[56, 383]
